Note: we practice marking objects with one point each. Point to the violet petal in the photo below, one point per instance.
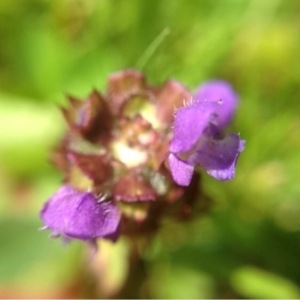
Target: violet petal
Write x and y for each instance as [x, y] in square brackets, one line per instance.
[189, 124]
[181, 171]
[78, 215]
[220, 92]
[218, 156]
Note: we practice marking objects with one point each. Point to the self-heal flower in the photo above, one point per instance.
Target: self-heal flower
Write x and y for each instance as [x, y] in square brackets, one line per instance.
[197, 135]
[73, 214]
[116, 144]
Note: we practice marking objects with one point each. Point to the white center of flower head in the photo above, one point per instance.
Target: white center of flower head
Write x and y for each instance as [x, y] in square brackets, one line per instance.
[129, 156]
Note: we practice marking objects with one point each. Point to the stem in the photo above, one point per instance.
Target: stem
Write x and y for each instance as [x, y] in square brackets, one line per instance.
[137, 276]
[152, 48]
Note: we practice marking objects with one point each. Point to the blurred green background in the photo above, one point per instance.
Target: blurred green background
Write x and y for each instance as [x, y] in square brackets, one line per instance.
[249, 244]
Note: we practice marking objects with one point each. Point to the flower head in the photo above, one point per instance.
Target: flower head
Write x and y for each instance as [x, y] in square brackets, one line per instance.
[197, 137]
[118, 144]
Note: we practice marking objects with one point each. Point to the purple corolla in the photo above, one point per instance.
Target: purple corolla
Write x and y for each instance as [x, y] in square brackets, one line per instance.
[74, 214]
[197, 135]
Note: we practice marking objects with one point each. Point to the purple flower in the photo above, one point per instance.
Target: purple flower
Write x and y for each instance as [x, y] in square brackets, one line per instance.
[219, 91]
[197, 137]
[73, 214]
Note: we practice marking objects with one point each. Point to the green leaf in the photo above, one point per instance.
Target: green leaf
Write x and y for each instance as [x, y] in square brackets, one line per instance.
[252, 282]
